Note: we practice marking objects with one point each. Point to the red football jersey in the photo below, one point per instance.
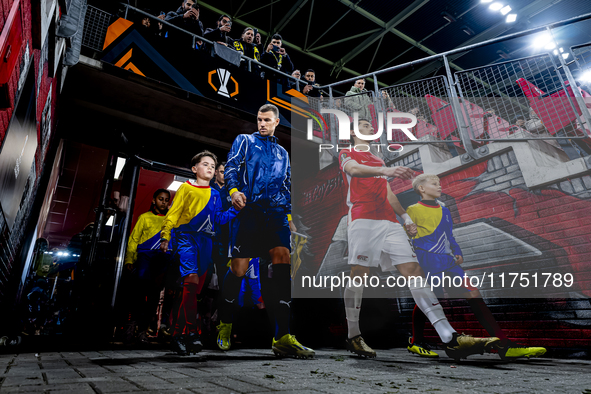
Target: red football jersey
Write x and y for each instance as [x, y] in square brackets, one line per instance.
[367, 198]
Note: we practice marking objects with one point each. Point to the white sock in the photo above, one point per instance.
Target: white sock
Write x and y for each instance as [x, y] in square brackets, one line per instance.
[429, 304]
[352, 298]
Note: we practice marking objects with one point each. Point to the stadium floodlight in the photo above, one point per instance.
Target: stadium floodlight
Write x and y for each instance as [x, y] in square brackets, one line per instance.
[543, 41]
[550, 46]
[505, 10]
[485, 1]
[495, 6]
[565, 55]
[511, 18]
[586, 77]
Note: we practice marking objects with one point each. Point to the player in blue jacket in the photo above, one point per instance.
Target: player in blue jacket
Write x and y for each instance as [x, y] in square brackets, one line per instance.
[258, 175]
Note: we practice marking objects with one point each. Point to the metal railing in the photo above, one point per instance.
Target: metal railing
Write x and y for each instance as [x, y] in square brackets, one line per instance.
[531, 98]
[96, 24]
[96, 30]
[518, 100]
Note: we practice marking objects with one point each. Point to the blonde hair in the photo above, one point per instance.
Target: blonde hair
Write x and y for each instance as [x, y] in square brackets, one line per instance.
[421, 180]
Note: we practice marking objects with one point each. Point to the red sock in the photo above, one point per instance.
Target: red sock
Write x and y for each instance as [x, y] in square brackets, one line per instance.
[186, 321]
[418, 324]
[486, 319]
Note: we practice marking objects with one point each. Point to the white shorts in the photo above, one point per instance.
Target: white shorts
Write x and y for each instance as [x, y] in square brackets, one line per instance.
[381, 243]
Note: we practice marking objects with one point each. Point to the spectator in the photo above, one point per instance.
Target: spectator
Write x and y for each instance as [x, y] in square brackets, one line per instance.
[219, 34]
[276, 57]
[297, 74]
[151, 30]
[311, 89]
[387, 101]
[417, 112]
[534, 124]
[357, 101]
[186, 18]
[247, 45]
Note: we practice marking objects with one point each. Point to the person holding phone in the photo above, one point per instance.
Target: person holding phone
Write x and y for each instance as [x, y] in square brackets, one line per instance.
[275, 56]
[185, 17]
[220, 33]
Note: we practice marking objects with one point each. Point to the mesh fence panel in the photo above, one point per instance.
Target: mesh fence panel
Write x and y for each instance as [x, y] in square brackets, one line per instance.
[95, 28]
[426, 99]
[525, 98]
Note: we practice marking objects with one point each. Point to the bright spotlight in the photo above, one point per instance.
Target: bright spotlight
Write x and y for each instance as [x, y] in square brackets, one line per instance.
[485, 1]
[542, 40]
[511, 18]
[119, 167]
[174, 186]
[505, 10]
[565, 55]
[586, 77]
[495, 6]
[550, 46]
[555, 52]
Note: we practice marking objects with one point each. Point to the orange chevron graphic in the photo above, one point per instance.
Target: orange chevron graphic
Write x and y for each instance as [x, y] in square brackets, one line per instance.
[284, 104]
[115, 30]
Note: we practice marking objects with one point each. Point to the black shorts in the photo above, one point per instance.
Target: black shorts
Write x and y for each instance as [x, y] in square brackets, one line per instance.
[254, 232]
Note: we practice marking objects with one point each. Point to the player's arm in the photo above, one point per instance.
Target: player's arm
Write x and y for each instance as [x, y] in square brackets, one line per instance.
[409, 225]
[236, 159]
[221, 216]
[132, 244]
[455, 248]
[362, 171]
[286, 190]
[172, 217]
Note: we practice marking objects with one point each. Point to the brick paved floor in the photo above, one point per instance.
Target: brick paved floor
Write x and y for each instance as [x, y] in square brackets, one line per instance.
[258, 371]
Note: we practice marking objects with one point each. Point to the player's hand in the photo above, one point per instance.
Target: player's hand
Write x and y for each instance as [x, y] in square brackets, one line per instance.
[399, 172]
[282, 51]
[307, 88]
[411, 229]
[292, 227]
[270, 48]
[164, 246]
[226, 28]
[238, 200]
[459, 259]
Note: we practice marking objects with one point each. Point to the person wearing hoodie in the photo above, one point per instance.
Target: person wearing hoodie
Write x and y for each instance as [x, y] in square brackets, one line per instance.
[357, 102]
[185, 17]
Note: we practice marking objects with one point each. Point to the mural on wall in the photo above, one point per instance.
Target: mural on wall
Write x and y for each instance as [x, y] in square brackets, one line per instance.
[501, 225]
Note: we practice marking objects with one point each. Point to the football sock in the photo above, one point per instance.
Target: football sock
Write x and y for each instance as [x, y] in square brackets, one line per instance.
[352, 298]
[230, 291]
[266, 289]
[186, 321]
[281, 286]
[430, 306]
[486, 319]
[418, 324]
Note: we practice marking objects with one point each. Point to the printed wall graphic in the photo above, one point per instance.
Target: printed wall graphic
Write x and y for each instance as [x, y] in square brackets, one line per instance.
[18, 153]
